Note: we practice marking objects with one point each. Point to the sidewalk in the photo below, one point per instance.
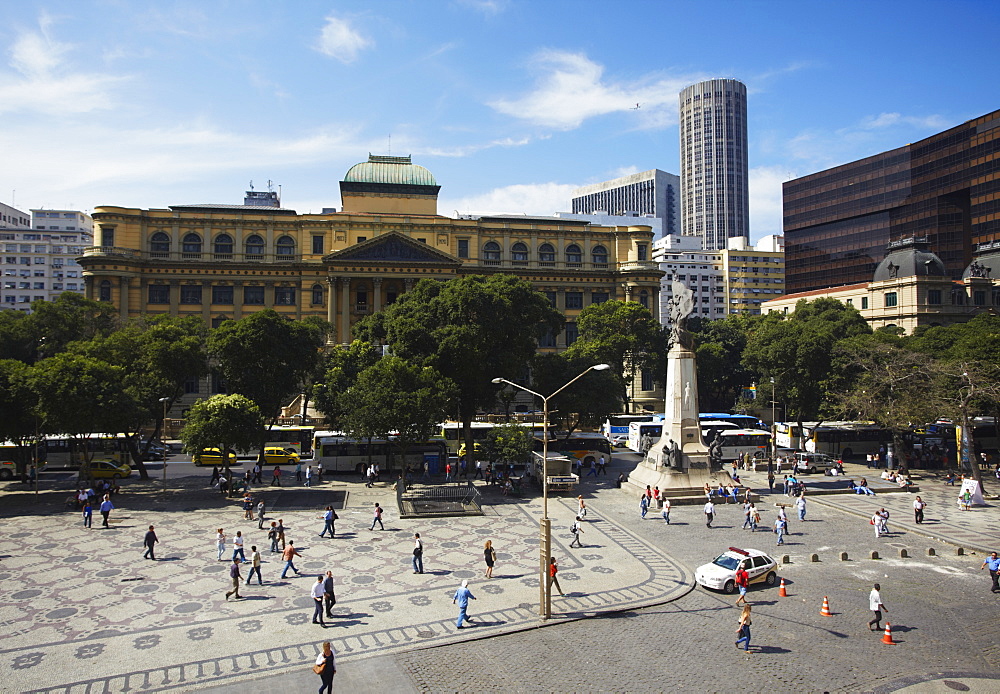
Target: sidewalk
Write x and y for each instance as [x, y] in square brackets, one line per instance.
[943, 521]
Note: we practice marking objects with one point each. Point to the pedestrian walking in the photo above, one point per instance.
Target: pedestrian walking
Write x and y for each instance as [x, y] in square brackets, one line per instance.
[329, 517]
[576, 529]
[770, 481]
[747, 518]
[247, 506]
[780, 526]
[319, 472]
[215, 476]
[370, 474]
[462, 597]
[800, 505]
[257, 474]
[309, 475]
[106, 508]
[289, 555]
[148, 543]
[260, 514]
[281, 533]
[329, 597]
[742, 580]
[918, 510]
[317, 596]
[298, 471]
[490, 555]
[88, 515]
[581, 507]
[234, 575]
[743, 632]
[592, 472]
[709, 513]
[326, 668]
[602, 466]
[553, 579]
[377, 517]
[877, 607]
[993, 564]
[783, 516]
[479, 470]
[255, 562]
[238, 547]
[643, 505]
[276, 477]
[272, 535]
[447, 471]
[418, 554]
[754, 518]
[666, 510]
[220, 542]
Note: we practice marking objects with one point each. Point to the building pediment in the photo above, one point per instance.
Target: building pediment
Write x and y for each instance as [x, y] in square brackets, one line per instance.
[391, 247]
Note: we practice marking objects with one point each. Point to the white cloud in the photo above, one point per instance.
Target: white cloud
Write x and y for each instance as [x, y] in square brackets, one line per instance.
[571, 88]
[340, 40]
[41, 80]
[886, 120]
[532, 198]
[765, 199]
[467, 150]
[489, 7]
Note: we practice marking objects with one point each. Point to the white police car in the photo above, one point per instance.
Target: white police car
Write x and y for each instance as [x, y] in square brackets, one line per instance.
[721, 573]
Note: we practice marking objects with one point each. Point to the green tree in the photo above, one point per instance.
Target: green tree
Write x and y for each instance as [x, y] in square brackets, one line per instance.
[964, 390]
[69, 318]
[157, 355]
[797, 352]
[268, 358]
[18, 337]
[509, 443]
[470, 329]
[342, 367]
[226, 422]
[80, 395]
[586, 403]
[18, 404]
[719, 346]
[397, 401]
[622, 334]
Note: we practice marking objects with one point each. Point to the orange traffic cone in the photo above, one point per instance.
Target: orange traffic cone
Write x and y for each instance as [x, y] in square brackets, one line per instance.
[782, 593]
[887, 637]
[826, 608]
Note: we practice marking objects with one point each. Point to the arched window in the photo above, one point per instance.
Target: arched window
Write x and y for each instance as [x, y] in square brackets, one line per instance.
[159, 243]
[285, 246]
[546, 253]
[599, 255]
[255, 246]
[223, 244]
[104, 292]
[317, 295]
[491, 251]
[573, 254]
[191, 245]
[519, 253]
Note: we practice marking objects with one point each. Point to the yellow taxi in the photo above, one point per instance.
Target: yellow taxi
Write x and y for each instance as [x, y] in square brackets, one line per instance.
[213, 456]
[100, 469]
[275, 455]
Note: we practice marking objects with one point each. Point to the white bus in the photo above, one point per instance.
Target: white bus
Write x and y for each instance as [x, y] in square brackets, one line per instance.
[638, 430]
[586, 447]
[736, 442]
[452, 434]
[341, 453]
[848, 439]
[618, 424]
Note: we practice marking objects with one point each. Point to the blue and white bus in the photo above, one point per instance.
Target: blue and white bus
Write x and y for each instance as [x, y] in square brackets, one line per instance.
[743, 421]
[617, 424]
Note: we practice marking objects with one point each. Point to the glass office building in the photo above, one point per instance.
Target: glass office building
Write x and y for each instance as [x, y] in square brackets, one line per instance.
[945, 188]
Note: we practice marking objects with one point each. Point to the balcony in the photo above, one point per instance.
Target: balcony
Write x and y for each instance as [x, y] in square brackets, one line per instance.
[638, 265]
[112, 251]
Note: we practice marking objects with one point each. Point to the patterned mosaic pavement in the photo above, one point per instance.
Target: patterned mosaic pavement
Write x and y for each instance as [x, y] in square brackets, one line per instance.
[82, 611]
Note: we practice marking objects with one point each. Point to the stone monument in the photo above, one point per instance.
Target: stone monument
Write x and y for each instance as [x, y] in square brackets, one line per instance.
[680, 461]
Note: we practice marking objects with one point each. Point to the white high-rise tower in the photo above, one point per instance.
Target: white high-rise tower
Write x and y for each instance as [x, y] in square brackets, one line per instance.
[715, 200]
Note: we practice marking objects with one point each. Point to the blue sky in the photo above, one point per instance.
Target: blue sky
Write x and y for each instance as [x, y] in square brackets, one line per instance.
[510, 103]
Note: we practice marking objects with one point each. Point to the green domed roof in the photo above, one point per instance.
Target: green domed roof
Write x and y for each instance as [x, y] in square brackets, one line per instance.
[393, 170]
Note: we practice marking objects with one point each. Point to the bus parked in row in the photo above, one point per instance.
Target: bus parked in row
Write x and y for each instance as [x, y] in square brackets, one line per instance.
[338, 452]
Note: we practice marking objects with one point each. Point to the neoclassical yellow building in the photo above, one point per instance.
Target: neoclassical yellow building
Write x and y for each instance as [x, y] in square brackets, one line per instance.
[225, 261]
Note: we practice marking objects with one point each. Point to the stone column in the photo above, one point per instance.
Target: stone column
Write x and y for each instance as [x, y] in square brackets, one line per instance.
[331, 295]
[408, 284]
[377, 295]
[175, 296]
[345, 310]
[123, 286]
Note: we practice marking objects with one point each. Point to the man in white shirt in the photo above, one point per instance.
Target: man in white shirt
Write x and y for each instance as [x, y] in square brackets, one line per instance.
[666, 510]
[709, 514]
[876, 606]
[318, 591]
[577, 529]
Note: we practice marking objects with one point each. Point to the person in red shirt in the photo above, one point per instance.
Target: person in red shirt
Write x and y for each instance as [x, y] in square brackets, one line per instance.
[742, 581]
[553, 570]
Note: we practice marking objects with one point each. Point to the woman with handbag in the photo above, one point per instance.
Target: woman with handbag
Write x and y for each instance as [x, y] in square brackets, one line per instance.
[326, 668]
[743, 633]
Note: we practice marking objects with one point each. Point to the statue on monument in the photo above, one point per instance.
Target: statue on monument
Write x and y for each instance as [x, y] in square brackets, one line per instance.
[680, 307]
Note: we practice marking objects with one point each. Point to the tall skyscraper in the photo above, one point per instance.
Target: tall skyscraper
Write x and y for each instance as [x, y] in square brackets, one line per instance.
[652, 192]
[715, 198]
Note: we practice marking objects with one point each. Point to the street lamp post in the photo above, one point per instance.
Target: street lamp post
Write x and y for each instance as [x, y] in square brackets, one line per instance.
[545, 525]
[163, 438]
[774, 426]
